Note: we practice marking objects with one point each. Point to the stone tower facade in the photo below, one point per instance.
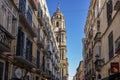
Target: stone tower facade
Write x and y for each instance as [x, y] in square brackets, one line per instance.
[58, 22]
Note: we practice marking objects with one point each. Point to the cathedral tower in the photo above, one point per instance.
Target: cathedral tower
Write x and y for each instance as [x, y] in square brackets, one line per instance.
[59, 29]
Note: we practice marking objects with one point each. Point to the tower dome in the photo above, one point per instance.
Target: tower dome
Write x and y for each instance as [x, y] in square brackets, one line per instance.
[58, 14]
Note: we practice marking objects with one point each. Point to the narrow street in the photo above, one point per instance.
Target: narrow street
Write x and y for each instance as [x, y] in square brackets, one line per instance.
[59, 40]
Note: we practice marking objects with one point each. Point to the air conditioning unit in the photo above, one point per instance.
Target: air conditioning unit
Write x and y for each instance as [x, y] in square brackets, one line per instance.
[116, 4]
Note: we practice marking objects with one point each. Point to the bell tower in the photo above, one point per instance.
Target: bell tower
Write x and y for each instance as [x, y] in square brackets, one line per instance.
[58, 22]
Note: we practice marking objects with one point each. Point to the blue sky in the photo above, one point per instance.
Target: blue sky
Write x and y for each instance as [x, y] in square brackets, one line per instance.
[75, 13]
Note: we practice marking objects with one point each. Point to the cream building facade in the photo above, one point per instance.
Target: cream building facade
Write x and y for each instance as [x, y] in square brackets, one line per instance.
[8, 32]
[101, 44]
[79, 72]
[28, 49]
[58, 22]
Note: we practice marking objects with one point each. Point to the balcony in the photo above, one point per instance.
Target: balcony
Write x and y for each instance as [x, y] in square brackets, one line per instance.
[40, 43]
[31, 29]
[5, 40]
[39, 17]
[29, 62]
[39, 69]
[97, 37]
[90, 57]
[26, 20]
[46, 73]
[116, 4]
[49, 49]
[46, 30]
[62, 44]
[90, 35]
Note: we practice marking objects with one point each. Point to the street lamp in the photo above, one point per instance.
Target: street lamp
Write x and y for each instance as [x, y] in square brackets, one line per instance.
[98, 64]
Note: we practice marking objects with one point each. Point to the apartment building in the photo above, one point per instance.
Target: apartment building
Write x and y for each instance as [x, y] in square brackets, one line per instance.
[8, 34]
[101, 44]
[79, 72]
[27, 43]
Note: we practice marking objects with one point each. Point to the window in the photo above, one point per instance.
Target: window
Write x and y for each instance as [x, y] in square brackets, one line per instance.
[62, 73]
[62, 37]
[6, 19]
[29, 16]
[9, 21]
[20, 43]
[22, 6]
[1, 70]
[117, 45]
[98, 50]
[29, 50]
[3, 16]
[57, 38]
[6, 70]
[62, 54]
[57, 24]
[38, 33]
[110, 45]
[100, 5]
[98, 25]
[38, 59]
[109, 11]
[48, 65]
[14, 24]
[96, 10]
[43, 62]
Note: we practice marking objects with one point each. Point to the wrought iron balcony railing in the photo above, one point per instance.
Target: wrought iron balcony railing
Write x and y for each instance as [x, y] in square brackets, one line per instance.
[5, 39]
[25, 61]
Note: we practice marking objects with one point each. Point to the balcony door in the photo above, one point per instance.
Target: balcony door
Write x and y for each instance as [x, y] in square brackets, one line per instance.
[20, 43]
[29, 50]
[1, 70]
[38, 59]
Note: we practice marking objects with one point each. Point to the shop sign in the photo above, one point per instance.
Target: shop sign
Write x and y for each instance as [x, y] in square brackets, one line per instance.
[114, 67]
[18, 73]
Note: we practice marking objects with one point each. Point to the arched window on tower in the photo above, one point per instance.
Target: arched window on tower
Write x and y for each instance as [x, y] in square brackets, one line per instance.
[57, 38]
[57, 24]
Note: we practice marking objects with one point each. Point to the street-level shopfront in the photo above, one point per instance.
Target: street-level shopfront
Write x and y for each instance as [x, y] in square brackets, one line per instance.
[113, 72]
[21, 74]
[113, 77]
[1, 70]
[4, 69]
